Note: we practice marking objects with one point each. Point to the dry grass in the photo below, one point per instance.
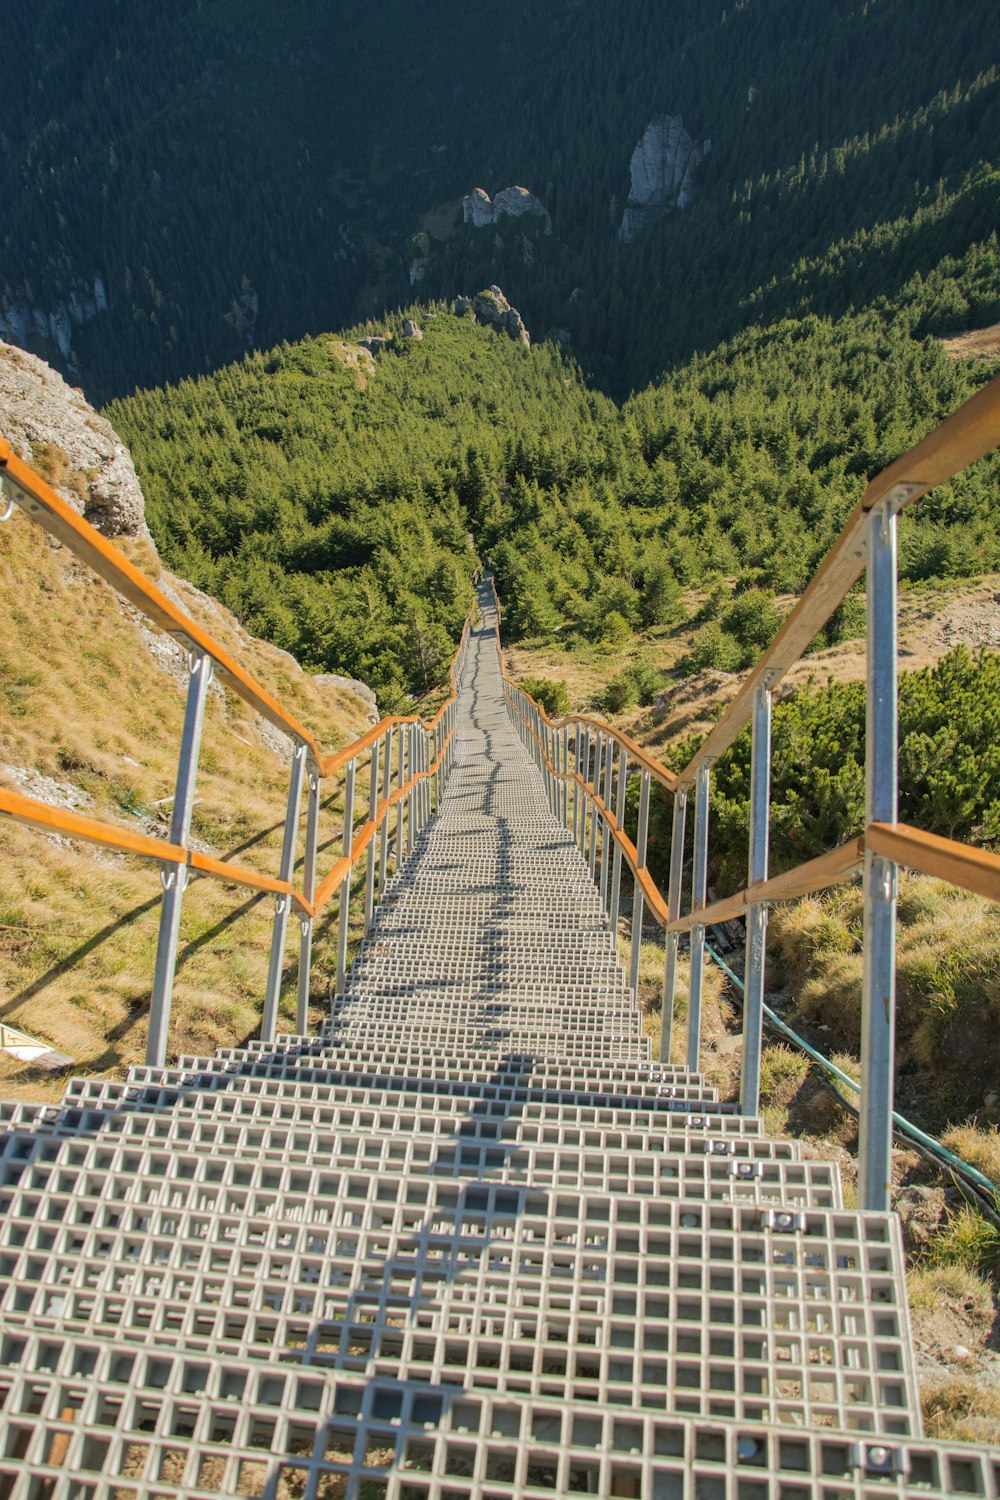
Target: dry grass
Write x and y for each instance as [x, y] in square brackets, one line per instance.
[979, 1146]
[933, 619]
[948, 990]
[85, 702]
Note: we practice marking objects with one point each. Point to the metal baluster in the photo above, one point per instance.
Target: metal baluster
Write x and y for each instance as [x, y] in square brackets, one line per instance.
[399, 805]
[606, 837]
[345, 884]
[756, 938]
[595, 822]
[565, 770]
[699, 888]
[370, 860]
[584, 769]
[309, 891]
[878, 1002]
[637, 898]
[410, 745]
[175, 877]
[673, 912]
[283, 904]
[383, 841]
[616, 873]
[575, 763]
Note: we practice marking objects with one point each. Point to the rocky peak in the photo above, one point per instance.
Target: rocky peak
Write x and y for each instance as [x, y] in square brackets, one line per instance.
[50, 425]
[662, 169]
[491, 309]
[479, 209]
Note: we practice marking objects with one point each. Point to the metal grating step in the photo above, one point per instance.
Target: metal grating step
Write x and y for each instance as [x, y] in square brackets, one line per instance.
[469, 1241]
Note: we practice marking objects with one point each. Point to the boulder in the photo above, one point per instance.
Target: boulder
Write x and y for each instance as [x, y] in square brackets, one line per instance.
[477, 209]
[411, 330]
[514, 202]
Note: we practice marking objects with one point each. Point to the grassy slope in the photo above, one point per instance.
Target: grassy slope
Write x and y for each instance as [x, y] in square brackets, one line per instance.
[84, 703]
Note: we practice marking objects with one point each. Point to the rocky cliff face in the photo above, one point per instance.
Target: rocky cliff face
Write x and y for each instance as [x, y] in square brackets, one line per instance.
[662, 168]
[491, 309]
[479, 209]
[21, 321]
[52, 427]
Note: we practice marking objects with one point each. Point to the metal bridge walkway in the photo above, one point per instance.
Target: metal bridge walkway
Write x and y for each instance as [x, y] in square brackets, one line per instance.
[470, 1241]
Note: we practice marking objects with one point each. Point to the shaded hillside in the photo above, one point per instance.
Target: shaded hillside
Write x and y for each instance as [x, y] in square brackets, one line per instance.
[184, 181]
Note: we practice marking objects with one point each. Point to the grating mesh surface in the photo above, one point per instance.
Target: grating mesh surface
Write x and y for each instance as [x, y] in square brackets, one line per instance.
[470, 1241]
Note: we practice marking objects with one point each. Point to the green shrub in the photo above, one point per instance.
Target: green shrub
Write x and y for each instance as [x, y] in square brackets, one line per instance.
[553, 696]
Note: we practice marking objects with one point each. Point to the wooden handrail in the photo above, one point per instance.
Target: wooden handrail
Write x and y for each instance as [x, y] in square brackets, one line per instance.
[40, 501]
[43, 505]
[968, 434]
[960, 864]
[813, 875]
[33, 814]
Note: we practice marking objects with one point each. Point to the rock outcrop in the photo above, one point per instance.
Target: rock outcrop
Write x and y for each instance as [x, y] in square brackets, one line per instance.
[21, 322]
[412, 330]
[492, 310]
[662, 168]
[50, 425]
[479, 209]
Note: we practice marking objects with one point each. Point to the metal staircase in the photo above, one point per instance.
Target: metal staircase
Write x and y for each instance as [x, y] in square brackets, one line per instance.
[469, 1241]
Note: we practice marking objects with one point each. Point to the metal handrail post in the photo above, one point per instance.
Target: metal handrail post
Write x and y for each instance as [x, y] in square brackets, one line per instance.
[308, 890]
[878, 998]
[616, 873]
[595, 821]
[283, 904]
[410, 759]
[673, 912]
[373, 791]
[175, 879]
[641, 836]
[575, 762]
[584, 770]
[383, 836]
[699, 891]
[399, 804]
[756, 938]
[606, 839]
[565, 771]
[345, 884]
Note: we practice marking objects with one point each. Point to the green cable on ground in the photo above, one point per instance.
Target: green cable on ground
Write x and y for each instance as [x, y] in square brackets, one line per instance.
[904, 1126]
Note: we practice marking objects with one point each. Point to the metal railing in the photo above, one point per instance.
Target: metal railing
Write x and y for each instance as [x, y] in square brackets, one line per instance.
[587, 764]
[407, 759]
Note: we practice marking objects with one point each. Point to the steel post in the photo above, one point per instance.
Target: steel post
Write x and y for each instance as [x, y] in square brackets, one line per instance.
[399, 805]
[410, 758]
[673, 912]
[175, 877]
[283, 904]
[584, 770]
[699, 890]
[878, 1000]
[383, 836]
[616, 872]
[344, 914]
[595, 821]
[641, 836]
[309, 891]
[370, 857]
[607, 839]
[756, 939]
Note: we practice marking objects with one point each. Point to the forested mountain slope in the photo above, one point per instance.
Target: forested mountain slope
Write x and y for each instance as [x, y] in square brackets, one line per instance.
[328, 497]
[187, 180]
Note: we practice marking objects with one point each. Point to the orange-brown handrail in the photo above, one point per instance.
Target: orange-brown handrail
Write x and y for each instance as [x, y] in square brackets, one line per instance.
[412, 796]
[866, 542]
